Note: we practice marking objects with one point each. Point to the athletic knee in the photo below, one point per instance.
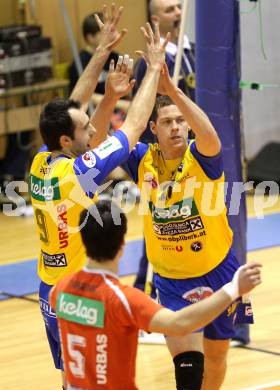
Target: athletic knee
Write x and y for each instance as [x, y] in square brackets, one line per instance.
[189, 367]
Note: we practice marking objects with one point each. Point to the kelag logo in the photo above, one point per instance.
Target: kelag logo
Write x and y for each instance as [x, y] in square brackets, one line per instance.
[44, 190]
[175, 213]
[80, 310]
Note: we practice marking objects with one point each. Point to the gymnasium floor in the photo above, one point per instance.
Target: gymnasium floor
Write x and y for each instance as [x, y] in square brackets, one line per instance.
[25, 362]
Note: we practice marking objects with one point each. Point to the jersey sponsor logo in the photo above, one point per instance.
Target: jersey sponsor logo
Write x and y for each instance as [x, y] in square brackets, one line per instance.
[44, 190]
[196, 246]
[62, 226]
[57, 260]
[197, 294]
[45, 170]
[185, 227]
[177, 248]
[168, 247]
[80, 310]
[183, 237]
[89, 159]
[177, 212]
[101, 359]
[108, 147]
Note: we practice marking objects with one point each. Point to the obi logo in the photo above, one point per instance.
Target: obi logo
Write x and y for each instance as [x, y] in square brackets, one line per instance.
[44, 190]
[197, 294]
[81, 310]
[175, 213]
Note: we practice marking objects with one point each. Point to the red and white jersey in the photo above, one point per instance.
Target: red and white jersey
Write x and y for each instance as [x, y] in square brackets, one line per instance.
[99, 319]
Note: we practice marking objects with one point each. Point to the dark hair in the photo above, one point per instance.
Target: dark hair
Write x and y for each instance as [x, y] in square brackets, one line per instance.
[161, 101]
[90, 25]
[103, 241]
[56, 121]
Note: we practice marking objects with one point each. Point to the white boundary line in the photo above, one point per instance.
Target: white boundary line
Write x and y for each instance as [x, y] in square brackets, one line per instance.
[265, 386]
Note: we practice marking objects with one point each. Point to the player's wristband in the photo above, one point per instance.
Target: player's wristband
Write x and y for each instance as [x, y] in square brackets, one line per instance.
[232, 288]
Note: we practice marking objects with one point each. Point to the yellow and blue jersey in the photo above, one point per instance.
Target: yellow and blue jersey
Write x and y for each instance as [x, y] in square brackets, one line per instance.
[185, 223]
[60, 189]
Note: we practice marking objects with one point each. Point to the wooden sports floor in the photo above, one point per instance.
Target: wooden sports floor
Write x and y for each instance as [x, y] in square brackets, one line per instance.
[25, 360]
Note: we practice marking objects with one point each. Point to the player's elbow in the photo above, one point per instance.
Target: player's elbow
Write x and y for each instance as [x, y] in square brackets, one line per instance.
[135, 127]
[171, 323]
[179, 327]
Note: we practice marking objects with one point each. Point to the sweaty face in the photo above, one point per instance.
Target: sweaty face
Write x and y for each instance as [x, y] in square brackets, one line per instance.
[169, 16]
[171, 130]
[83, 132]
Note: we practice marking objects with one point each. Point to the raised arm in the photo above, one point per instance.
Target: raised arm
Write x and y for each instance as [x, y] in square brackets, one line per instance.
[143, 102]
[207, 140]
[118, 84]
[110, 38]
[200, 314]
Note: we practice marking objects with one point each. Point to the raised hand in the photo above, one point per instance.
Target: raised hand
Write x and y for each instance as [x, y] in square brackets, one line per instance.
[118, 82]
[155, 50]
[165, 82]
[110, 36]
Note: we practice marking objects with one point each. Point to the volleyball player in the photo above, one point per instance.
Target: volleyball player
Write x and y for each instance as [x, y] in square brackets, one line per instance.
[188, 238]
[99, 317]
[64, 179]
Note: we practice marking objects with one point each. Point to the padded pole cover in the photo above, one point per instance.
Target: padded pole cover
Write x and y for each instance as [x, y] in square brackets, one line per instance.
[219, 95]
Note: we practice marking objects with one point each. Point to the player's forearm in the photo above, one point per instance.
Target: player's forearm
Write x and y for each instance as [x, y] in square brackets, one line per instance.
[206, 135]
[142, 105]
[199, 314]
[100, 119]
[190, 318]
[88, 80]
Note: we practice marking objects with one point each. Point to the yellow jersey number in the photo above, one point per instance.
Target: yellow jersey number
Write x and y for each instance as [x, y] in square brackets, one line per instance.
[41, 223]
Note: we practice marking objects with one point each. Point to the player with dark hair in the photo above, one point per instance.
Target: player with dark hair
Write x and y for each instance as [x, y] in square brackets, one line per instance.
[64, 179]
[99, 317]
